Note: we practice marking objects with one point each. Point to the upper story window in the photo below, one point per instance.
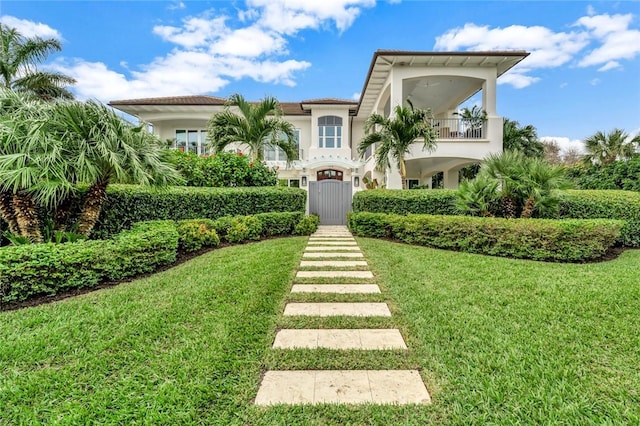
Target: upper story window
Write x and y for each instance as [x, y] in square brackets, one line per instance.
[191, 141]
[274, 153]
[330, 132]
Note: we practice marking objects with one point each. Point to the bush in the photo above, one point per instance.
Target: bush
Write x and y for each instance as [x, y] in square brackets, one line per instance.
[128, 204]
[196, 233]
[592, 204]
[621, 174]
[279, 223]
[238, 228]
[224, 169]
[307, 225]
[36, 269]
[539, 239]
[441, 201]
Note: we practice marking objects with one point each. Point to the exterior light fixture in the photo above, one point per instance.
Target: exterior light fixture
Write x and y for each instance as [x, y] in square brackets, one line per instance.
[356, 181]
[303, 181]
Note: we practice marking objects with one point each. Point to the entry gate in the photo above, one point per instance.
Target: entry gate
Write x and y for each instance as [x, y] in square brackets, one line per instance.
[331, 200]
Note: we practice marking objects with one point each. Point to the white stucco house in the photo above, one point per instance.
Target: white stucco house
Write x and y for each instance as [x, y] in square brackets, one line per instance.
[329, 130]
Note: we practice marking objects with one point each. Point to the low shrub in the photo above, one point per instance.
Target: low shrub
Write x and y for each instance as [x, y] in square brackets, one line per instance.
[307, 225]
[36, 269]
[572, 240]
[128, 204]
[237, 229]
[194, 234]
[279, 223]
[397, 201]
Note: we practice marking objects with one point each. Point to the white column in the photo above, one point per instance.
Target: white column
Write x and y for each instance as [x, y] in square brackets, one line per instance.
[489, 95]
[394, 180]
[451, 179]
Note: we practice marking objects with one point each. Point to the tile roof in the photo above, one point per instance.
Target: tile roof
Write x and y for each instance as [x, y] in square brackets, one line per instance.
[173, 100]
[330, 101]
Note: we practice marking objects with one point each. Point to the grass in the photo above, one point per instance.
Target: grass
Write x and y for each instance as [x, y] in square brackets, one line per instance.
[498, 341]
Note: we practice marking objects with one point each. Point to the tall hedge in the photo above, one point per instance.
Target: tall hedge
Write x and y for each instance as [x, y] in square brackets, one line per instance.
[127, 204]
[572, 240]
[394, 201]
[574, 204]
[611, 204]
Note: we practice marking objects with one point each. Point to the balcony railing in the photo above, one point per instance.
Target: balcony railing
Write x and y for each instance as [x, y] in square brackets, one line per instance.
[455, 128]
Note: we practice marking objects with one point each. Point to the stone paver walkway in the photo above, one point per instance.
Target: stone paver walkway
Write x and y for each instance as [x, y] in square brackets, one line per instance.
[339, 386]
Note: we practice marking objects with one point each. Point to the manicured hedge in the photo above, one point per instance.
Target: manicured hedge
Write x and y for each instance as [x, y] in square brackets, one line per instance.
[35, 269]
[592, 204]
[418, 201]
[573, 240]
[128, 204]
[574, 204]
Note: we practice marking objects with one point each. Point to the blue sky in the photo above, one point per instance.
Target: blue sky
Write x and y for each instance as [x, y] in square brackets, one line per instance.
[583, 74]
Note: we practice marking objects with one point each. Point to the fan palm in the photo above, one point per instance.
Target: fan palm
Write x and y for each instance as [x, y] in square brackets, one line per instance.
[523, 139]
[19, 57]
[31, 166]
[539, 187]
[101, 148]
[257, 126]
[395, 136]
[507, 169]
[603, 148]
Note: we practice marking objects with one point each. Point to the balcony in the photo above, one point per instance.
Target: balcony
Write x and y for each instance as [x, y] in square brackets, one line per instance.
[455, 128]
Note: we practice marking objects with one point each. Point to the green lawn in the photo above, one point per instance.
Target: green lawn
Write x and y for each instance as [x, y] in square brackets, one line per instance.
[498, 341]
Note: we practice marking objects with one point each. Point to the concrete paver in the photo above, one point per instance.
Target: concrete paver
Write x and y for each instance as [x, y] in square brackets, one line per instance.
[334, 274]
[362, 339]
[335, 288]
[342, 386]
[333, 263]
[330, 309]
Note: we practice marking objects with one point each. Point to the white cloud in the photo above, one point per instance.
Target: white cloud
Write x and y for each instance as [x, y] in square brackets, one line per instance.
[591, 10]
[517, 80]
[565, 143]
[177, 5]
[356, 96]
[291, 16]
[29, 28]
[611, 65]
[595, 82]
[617, 40]
[211, 50]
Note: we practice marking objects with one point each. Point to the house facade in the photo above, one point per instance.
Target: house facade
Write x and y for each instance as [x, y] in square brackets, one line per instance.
[329, 130]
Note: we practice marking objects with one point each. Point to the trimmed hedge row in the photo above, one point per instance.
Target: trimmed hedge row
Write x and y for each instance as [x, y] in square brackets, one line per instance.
[396, 201]
[128, 204]
[573, 240]
[574, 204]
[605, 204]
[36, 269]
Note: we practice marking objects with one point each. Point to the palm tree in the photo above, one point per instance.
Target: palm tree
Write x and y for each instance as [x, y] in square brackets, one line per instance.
[539, 187]
[30, 164]
[396, 135]
[603, 149]
[257, 126]
[507, 170]
[523, 139]
[473, 118]
[101, 148]
[19, 56]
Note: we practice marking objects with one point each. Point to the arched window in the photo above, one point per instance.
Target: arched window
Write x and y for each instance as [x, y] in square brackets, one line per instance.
[330, 132]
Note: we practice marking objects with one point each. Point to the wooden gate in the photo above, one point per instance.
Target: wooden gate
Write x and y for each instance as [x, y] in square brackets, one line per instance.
[331, 200]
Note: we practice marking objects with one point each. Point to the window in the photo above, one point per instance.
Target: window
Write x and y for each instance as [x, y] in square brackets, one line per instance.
[329, 174]
[274, 153]
[191, 141]
[329, 132]
[412, 183]
[294, 183]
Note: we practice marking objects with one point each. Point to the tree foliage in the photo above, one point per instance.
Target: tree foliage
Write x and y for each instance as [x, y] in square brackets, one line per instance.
[605, 148]
[255, 126]
[395, 135]
[48, 150]
[522, 139]
[513, 185]
[19, 58]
